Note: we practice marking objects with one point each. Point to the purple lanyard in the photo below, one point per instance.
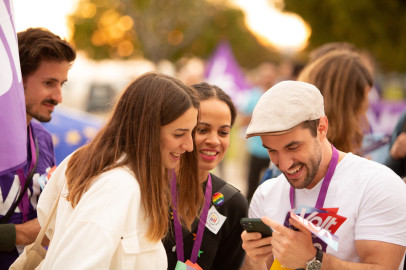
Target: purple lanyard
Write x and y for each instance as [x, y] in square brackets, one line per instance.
[178, 227]
[324, 186]
[25, 203]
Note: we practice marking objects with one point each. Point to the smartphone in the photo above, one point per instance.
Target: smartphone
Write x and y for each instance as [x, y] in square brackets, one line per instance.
[256, 225]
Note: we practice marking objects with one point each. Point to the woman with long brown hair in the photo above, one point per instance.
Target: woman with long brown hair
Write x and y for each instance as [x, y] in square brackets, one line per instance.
[114, 207]
[344, 81]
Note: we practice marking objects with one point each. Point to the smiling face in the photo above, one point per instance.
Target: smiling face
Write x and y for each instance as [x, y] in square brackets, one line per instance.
[298, 155]
[176, 138]
[42, 89]
[212, 133]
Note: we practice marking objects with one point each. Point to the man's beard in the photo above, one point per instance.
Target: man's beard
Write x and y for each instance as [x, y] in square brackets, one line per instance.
[38, 116]
[312, 167]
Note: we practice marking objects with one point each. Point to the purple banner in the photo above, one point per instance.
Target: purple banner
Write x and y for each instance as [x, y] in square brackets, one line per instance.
[383, 115]
[223, 70]
[13, 123]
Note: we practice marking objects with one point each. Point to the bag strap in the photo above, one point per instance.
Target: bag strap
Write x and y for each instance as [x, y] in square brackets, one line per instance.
[10, 211]
[41, 233]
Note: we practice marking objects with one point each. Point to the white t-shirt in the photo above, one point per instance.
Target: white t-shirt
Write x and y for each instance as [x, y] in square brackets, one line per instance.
[106, 230]
[368, 194]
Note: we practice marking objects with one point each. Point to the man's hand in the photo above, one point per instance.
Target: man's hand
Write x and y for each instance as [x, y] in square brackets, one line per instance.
[398, 149]
[258, 250]
[292, 248]
[27, 232]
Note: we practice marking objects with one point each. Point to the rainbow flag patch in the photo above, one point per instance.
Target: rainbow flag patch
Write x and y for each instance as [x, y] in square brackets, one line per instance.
[218, 198]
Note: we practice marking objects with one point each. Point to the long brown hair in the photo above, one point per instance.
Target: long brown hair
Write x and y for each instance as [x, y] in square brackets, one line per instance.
[132, 138]
[342, 78]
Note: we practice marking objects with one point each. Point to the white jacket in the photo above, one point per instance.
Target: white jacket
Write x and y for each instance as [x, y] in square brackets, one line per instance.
[106, 230]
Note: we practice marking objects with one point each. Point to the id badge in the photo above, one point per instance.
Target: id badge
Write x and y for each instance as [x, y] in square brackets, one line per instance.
[182, 266]
[193, 265]
[277, 266]
[215, 220]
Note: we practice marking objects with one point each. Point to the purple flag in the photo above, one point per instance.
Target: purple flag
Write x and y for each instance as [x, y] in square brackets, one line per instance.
[383, 115]
[13, 123]
[223, 70]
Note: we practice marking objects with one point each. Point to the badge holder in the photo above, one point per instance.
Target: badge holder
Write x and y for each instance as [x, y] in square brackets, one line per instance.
[187, 266]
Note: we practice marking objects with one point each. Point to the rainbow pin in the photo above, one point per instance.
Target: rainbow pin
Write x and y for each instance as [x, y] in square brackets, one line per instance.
[218, 198]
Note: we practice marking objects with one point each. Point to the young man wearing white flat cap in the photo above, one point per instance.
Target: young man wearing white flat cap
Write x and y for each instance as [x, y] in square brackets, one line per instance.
[363, 202]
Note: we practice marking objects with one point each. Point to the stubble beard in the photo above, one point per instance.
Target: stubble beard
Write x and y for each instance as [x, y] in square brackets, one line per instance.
[312, 168]
[38, 116]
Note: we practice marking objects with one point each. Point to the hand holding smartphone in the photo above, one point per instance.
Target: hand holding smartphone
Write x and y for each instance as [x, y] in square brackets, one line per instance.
[256, 225]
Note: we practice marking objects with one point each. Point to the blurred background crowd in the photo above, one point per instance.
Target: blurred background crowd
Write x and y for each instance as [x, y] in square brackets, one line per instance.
[242, 46]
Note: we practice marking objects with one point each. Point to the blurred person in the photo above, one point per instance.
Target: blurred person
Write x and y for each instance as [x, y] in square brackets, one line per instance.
[397, 153]
[291, 122]
[329, 47]
[263, 78]
[113, 211]
[190, 70]
[342, 45]
[345, 82]
[45, 60]
[367, 59]
[285, 70]
[220, 246]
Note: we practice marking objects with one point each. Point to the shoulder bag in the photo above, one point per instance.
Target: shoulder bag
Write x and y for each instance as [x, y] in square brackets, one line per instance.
[34, 253]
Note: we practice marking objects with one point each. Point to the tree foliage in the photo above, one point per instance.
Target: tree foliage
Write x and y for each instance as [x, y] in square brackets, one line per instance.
[378, 26]
[161, 29]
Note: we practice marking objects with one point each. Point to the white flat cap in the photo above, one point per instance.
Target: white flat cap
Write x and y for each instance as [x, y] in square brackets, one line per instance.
[284, 106]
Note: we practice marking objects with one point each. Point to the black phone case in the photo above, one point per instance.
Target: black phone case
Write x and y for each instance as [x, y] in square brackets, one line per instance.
[256, 225]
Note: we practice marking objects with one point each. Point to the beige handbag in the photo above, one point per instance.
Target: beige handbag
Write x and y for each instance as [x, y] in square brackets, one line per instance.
[34, 253]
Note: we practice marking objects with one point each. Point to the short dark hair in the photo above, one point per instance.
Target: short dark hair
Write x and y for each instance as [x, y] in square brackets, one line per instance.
[312, 126]
[39, 44]
[208, 91]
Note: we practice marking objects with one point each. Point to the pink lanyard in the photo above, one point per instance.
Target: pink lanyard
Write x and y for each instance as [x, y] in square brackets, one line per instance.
[326, 182]
[178, 227]
[25, 203]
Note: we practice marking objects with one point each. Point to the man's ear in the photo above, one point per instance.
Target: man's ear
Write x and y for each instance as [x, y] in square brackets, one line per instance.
[323, 127]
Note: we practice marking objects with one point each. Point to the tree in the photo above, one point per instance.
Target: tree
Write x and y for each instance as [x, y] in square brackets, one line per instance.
[161, 29]
[377, 26]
